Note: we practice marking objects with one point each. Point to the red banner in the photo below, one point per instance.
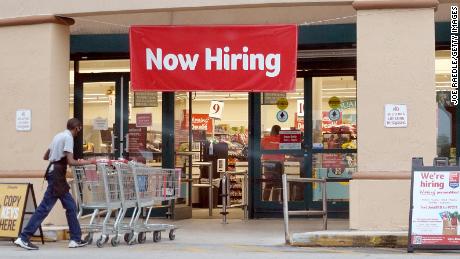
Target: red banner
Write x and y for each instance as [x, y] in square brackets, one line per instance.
[258, 58]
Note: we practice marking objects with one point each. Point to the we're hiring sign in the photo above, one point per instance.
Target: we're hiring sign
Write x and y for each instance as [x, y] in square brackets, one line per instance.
[214, 58]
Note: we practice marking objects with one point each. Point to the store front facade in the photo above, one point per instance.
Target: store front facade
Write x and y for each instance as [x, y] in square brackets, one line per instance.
[335, 61]
[326, 149]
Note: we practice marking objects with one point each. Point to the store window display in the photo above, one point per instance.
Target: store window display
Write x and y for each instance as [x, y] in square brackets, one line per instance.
[272, 166]
[334, 128]
[447, 112]
[223, 138]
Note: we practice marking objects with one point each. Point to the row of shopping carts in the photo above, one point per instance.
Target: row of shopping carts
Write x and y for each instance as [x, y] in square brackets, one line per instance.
[116, 187]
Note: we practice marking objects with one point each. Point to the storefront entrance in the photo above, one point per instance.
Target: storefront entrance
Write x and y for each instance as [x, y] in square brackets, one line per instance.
[327, 147]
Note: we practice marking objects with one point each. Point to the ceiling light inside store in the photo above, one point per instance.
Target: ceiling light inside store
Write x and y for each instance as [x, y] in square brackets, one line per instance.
[342, 96]
[342, 88]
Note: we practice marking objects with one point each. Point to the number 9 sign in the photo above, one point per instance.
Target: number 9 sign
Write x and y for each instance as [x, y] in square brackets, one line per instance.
[216, 109]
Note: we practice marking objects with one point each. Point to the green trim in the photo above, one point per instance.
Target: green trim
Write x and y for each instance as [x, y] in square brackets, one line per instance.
[99, 43]
[308, 35]
[327, 34]
[442, 32]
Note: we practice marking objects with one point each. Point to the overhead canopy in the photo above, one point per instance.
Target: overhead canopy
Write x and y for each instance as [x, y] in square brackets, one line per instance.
[214, 58]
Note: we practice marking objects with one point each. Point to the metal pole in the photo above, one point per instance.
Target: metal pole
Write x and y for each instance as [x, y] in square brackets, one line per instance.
[285, 209]
[210, 189]
[224, 198]
[245, 196]
[324, 185]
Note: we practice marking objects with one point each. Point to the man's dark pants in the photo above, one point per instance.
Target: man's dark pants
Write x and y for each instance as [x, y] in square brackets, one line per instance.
[48, 202]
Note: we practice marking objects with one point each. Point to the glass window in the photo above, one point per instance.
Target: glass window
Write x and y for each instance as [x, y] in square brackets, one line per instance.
[273, 120]
[446, 139]
[273, 167]
[334, 166]
[98, 118]
[334, 113]
[104, 66]
[145, 139]
[231, 128]
[181, 125]
[71, 87]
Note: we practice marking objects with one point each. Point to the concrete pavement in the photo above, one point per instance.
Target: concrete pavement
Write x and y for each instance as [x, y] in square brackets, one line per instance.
[210, 239]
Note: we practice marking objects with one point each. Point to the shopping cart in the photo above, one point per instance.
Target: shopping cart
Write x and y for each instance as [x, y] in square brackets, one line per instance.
[96, 189]
[127, 194]
[153, 186]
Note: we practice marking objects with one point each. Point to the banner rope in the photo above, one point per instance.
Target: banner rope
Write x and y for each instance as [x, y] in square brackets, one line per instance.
[306, 23]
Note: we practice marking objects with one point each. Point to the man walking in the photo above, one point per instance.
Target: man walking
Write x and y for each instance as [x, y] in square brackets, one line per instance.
[59, 154]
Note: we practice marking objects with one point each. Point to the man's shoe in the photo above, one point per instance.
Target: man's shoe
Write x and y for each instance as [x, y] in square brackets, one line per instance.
[76, 244]
[25, 244]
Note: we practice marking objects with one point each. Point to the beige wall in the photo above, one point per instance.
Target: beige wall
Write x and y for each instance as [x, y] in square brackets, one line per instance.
[379, 204]
[395, 66]
[33, 75]
[26, 8]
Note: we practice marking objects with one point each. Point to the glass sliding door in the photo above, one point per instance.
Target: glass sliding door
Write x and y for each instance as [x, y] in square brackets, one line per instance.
[323, 112]
[334, 139]
[101, 103]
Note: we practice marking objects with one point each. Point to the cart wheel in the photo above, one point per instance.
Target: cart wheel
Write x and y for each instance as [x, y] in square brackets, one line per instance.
[131, 238]
[127, 237]
[115, 241]
[106, 239]
[141, 238]
[156, 236]
[172, 235]
[99, 243]
[89, 238]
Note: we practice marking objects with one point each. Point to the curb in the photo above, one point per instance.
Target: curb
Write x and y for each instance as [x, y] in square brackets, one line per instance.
[396, 239]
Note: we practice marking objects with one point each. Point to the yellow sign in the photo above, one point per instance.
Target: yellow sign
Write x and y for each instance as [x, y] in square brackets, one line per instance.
[282, 103]
[13, 198]
[334, 102]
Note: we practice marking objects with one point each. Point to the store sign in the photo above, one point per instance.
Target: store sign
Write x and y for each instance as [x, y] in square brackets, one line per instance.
[395, 116]
[15, 201]
[137, 140]
[327, 123]
[435, 207]
[255, 58]
[299, 122]
[145, 99]
[282, 103]
[143, 120]
[271, 98]
[282, 116]
[216, 109]
[23, 120]
[300, 108]
[201, 122]
[334, 164]
[290, 139]
[334, 115]
[349, 104]
[100, 124]
[334, 102]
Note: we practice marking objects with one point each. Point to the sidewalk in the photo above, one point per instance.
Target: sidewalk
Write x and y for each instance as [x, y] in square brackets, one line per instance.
[237, 231]
[209, 238]
[270, 232]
